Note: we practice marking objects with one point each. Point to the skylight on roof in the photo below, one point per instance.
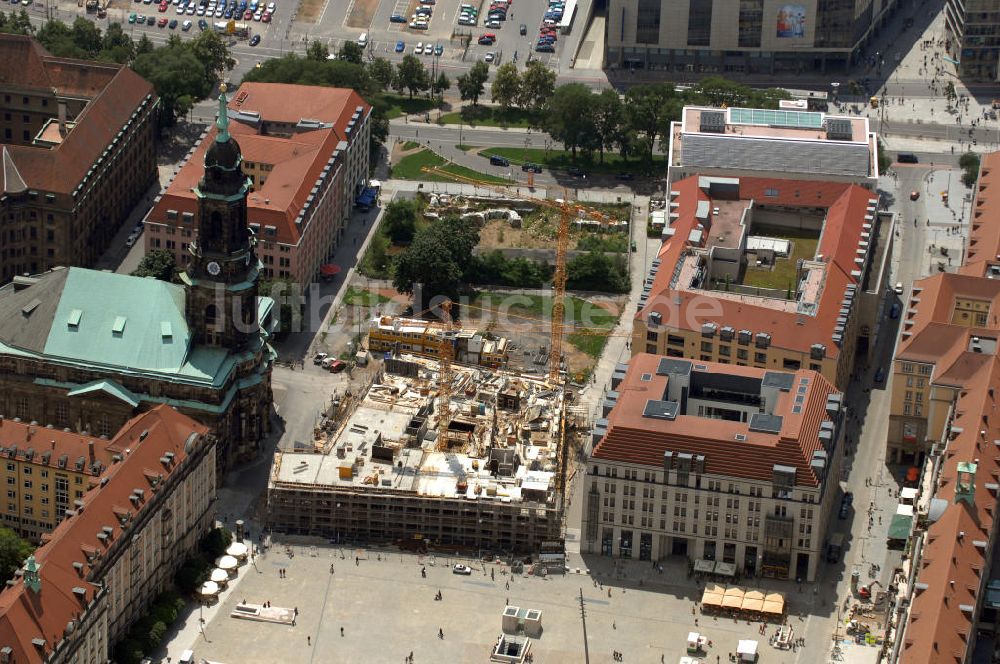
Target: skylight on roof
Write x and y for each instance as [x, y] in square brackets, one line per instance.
[166, 331]
[119, 325]
[74, 318]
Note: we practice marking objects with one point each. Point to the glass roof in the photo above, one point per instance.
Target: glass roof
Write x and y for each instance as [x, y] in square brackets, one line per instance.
[773, 118]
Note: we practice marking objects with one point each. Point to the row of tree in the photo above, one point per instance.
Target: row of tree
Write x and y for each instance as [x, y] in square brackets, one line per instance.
[632, 124]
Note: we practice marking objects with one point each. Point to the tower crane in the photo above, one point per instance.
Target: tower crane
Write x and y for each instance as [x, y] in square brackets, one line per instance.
[446, 352]
[566, 210]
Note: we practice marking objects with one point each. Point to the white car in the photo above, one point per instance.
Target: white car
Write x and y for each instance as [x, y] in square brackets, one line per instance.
[418, 25]
[131, 240]
[270, 7]
[186, 26]
[461, 569]
[419, 48]
[490, 57]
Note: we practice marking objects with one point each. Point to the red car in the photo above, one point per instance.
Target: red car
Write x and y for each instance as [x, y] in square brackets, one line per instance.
[248, 15]
[162, 22]
[266, 18]
[337, 366]
[163, 7]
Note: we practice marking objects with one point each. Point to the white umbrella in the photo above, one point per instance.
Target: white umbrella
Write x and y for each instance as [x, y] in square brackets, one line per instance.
[227, 563]
[237, 549]
[209, 588]
[219, 575]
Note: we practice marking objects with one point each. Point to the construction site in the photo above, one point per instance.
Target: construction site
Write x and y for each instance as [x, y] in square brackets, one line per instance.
[430, 456]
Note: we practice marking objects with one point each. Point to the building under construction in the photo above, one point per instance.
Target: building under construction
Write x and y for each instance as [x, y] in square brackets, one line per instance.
[471, 458]
[415, 336]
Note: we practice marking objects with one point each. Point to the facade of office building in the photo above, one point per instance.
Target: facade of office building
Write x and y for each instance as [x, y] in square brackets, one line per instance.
[740, 36]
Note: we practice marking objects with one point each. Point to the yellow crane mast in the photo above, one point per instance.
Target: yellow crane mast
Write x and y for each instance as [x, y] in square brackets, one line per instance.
[446, 353]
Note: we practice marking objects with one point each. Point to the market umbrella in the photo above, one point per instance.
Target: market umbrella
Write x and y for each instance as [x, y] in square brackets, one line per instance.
[329, 270]
[209, 588]
[711, 599]
[219, 576]
[227, 563]
[237, 550]
[732, 602]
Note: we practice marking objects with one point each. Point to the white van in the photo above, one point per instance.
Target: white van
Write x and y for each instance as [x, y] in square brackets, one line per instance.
[187, 657]
[363, 40]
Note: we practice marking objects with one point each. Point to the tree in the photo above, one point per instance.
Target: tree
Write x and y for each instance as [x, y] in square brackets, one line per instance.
[608, 120]
[949, 92]
[538, 84]
[86, 36]
[570, 119]
[155, 636]
[969, 163]
[382, 71]
[472, 84]
[884, 160]
[216, 541]
[441, 85]
[117, 46]
[145, 45]
[16, 24]
[439, 258]
[646, 109]
[317, 51]
[158, 264]
[399, 221]
[13, 552]
[213, 54]
[506, 88]
[594, 270]
[411, 75]
[351, 52]
[178, 77]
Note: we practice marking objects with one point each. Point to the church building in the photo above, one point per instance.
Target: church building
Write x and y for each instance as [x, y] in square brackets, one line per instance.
[85, 350]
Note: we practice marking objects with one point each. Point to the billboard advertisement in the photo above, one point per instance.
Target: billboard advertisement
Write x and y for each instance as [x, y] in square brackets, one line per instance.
[791, 22]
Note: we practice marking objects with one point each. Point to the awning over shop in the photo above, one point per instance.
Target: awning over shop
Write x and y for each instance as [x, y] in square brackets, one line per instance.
[774, 603]
[905, 510]
[329, 270]
[704, 566]
[711, 598]
[725, 569]
[899, 527]
[908, 494]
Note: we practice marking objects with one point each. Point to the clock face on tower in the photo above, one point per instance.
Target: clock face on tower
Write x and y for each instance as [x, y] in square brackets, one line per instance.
[213, 269]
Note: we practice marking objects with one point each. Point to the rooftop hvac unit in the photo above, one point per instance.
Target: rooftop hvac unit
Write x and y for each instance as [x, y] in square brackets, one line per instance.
[839, 130]
[713, 121]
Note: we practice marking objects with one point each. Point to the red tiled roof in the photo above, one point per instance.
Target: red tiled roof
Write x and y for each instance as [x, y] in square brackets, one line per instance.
[846, 206]
[634, 438]
[25, 615]
[952, 567]
[928, 333]
[115, 91]
[984, 236]
[297, 161]
[48, 445]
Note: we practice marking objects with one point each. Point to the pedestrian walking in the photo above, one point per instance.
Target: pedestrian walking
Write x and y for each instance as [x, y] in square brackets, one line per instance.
[309, 640]
[341, 631]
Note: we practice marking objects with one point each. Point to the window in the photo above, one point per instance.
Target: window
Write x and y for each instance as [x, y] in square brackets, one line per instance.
[724, 351]
[27, 484]
[706, 346]
[907, 408]
[751, 24]
[741, 354]
[760, 358]
[699, 22]
[647, 22]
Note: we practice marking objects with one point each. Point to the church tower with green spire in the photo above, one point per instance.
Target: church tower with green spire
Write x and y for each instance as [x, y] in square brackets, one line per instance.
[223, 271]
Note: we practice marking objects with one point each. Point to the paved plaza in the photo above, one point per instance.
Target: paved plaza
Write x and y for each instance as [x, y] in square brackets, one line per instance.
[386, 610]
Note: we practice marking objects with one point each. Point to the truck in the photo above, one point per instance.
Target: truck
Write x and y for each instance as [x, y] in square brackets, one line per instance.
[835, 548]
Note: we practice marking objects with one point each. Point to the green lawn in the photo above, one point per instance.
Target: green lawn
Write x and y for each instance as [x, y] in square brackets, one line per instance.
[363, 298]
[562, 159]
[411, 167]
[487, 116]
[783, 275]
[411, 145]
[400, 105]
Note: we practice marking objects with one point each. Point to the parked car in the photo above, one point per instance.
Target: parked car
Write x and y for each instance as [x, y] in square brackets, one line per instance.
[173, 24]
[576, 172]
[497, 160]
[255, 40]
[880, 375]
[132, 17]
[523, 29]
[418, 49]
[461, 569]
[438, 49]
[400, 46]
[337, 366]
[545, 48]
[396, 18]
[162, 23]
[529, 167]
[185, 26]
[319, 357]
[898, 288]
[490, 57]
[418, 25]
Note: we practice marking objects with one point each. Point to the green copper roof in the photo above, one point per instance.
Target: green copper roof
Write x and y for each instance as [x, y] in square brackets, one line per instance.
[107, 386]
[119, 321]
[222, 122]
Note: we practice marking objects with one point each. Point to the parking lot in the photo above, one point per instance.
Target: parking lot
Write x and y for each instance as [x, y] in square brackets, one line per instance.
[387, 610]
